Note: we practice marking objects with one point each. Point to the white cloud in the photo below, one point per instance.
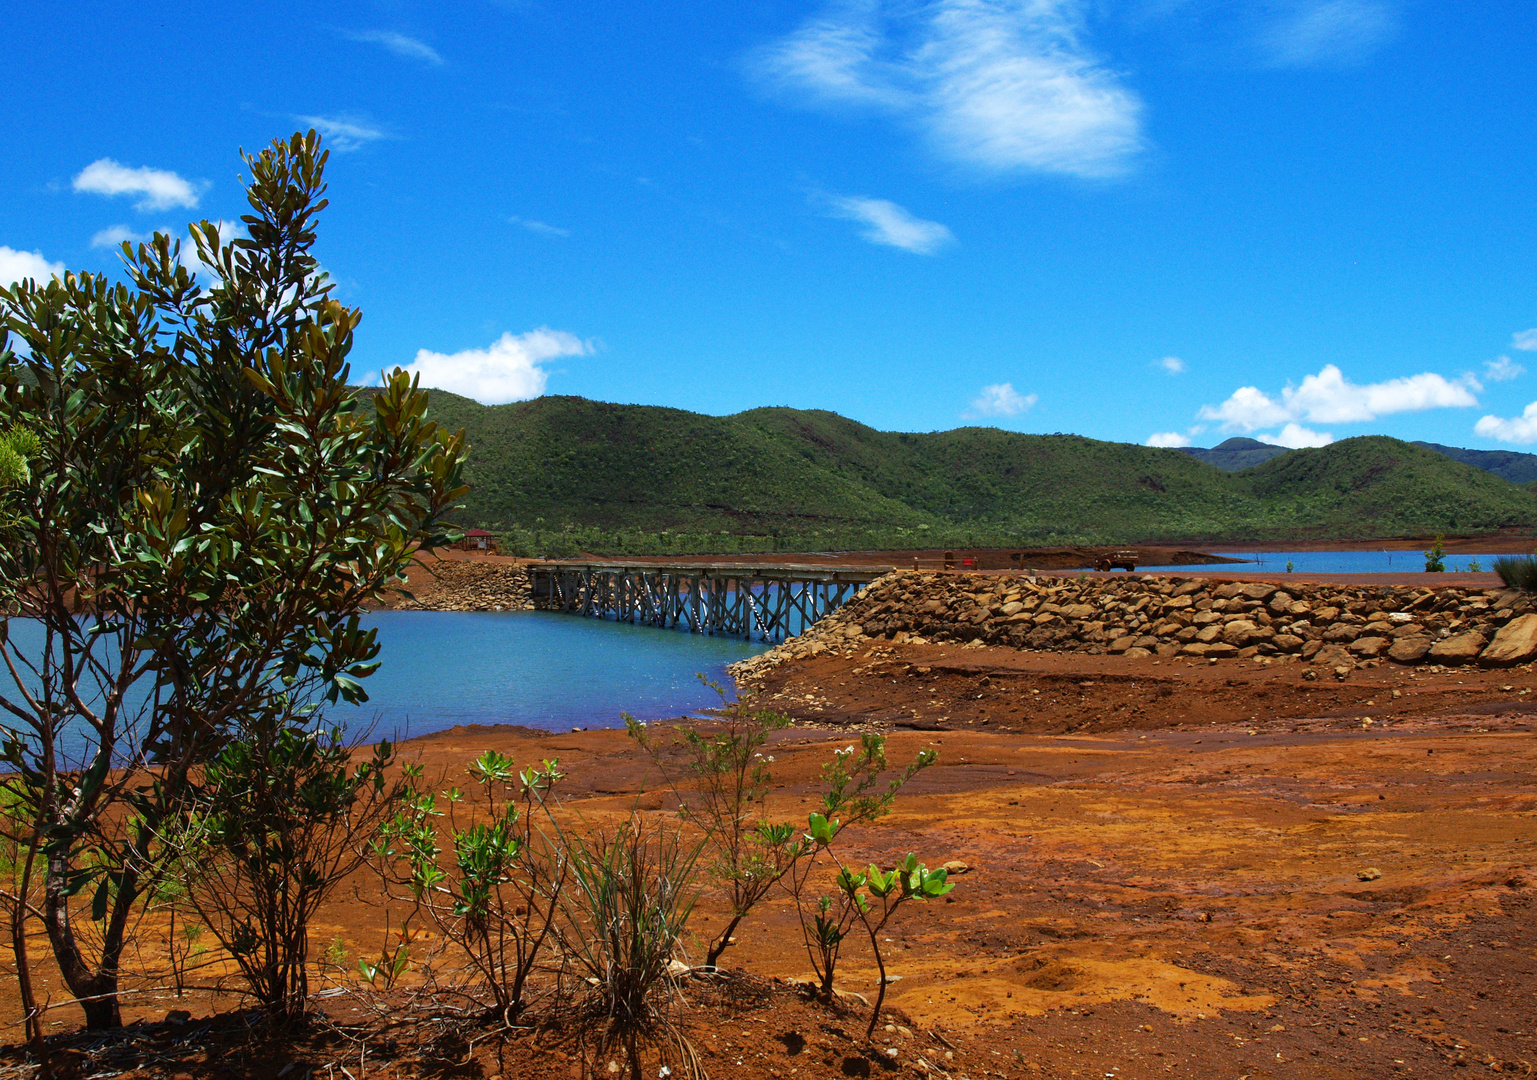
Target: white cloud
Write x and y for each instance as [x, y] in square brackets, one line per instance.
[1002, 85]
[540, 227]
[399, 44]
[1246, 409]
[114, 235]
[887, 223]
[19, 265]
[1168, 439]
[160, 189]
[1329, 32]
[1525, 340]
[1502, 369]
[1523, 429]
[1001, 399]
[507, 370]
[1330, 398]
[1172, 364]
[345, 132]
[1295, 436]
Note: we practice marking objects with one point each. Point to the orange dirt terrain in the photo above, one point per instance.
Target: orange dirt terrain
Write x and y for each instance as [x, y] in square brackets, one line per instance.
[1172, 869]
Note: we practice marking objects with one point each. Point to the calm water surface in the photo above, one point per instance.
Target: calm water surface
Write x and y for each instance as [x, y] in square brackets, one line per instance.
[539, 669]
[1336, 562]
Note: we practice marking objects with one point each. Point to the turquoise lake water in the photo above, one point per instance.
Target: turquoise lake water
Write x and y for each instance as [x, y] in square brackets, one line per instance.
[1334, 562]
[539, 669]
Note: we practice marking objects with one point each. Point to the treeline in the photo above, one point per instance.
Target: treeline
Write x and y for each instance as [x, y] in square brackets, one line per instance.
[559, 473]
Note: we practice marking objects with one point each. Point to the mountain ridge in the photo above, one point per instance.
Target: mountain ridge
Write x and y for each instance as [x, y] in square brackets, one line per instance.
[559, 474]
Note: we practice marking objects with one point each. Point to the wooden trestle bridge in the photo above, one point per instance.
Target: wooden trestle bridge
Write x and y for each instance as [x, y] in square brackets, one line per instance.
[767, 603]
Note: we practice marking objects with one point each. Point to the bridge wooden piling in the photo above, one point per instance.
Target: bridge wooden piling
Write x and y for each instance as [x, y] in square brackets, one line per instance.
[767, 603]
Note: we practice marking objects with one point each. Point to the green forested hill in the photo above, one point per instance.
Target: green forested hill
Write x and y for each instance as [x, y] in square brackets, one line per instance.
[559, 474]
[1512, 465]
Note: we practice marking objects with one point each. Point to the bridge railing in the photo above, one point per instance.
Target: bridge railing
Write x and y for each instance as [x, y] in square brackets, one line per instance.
[766, 603]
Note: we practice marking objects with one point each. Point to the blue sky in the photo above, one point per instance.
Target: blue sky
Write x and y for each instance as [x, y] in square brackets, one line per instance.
[1132, 219]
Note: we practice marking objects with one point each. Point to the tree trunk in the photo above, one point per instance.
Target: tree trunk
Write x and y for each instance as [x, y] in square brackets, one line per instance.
[95, 988]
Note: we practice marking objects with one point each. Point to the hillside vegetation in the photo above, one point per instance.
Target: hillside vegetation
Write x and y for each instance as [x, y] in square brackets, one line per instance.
[561, 474]
[1510, 465]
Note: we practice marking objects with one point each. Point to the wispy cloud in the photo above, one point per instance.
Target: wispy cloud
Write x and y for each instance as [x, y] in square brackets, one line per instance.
[1000, 85]
[1001, 399]
[540, 227]
[1169, 440]
[399, 44]
[1330, 398]
[887, 223]
[19, 265]
[1502, 369]
[1173, 365]
[114, 235]
[345, 132]
[1329, 33]
[506, 370]
[1525, 340]
[160, 189]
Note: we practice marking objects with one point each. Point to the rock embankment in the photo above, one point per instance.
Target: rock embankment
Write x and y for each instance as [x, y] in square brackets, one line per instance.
[467, 585]
[1339, 626]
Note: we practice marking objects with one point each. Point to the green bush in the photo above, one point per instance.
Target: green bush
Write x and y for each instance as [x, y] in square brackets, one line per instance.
[1518, 571]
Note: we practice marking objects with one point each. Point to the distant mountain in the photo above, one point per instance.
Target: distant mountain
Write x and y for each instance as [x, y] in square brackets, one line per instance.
[1510, 465]
[561, 474]
[1236, 454]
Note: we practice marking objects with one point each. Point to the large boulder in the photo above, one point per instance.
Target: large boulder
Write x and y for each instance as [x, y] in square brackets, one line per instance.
[1516, 643]
[1251, 590]
[1460, 649]
[1288, 643]
[1369, 646]
[1238, 632]
[1410, 649]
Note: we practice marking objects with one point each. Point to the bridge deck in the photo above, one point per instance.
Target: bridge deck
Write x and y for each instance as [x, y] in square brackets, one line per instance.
[751, 600]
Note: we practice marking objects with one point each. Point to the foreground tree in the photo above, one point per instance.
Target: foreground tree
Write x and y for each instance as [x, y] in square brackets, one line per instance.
[205, 512]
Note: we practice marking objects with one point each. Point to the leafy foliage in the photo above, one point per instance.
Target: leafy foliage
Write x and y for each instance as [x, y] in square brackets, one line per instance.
[207, 509]
[497, 896]
[280, 817]
[722, 787]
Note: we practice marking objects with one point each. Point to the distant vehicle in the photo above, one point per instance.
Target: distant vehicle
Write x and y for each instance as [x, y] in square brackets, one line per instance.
[1117, 560]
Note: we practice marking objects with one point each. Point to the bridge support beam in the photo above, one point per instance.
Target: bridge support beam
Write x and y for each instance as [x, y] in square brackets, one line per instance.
[763, 603]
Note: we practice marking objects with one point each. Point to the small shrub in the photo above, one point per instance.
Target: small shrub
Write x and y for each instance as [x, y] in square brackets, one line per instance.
[1518, 571]
[1435, 558]
[498, 897]
[858, 791]
[280, 818]
[631, 895]
[727, 777]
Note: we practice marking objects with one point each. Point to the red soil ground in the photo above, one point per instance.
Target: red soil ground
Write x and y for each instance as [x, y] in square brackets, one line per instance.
[1175, 870]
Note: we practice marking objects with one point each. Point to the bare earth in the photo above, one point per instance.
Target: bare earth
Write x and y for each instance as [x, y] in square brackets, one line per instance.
[1208, 870]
